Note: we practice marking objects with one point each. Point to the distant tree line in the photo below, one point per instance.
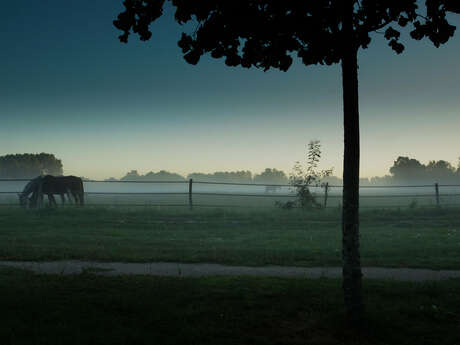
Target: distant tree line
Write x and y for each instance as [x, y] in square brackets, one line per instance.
[268, 176]
[405, 171]
[162, 175]
[410, 171]
[28, 165]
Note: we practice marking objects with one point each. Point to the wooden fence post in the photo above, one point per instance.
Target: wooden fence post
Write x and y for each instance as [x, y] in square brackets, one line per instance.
[436, 187]
[190, 201]
[326, 188]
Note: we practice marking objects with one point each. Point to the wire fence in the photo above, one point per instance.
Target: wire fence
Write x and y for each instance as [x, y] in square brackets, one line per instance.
[233, 194]
[235, 183]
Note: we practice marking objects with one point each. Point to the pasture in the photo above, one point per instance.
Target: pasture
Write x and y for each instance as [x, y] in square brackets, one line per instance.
[420, 237]
[89, 309]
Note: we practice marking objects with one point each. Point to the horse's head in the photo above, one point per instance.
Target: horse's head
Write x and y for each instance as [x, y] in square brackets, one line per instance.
[23, 201]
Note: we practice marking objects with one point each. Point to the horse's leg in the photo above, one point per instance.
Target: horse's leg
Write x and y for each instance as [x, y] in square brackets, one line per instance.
[62, 198]
[76, 195]
[70, 194]
[40, 193]
[69, 198]
[52, 200]
[41, 199]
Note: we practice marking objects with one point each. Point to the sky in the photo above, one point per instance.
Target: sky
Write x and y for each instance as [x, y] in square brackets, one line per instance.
[69, 87]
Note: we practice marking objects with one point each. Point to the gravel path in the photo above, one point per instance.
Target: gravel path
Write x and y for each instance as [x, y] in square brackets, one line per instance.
[201, 270]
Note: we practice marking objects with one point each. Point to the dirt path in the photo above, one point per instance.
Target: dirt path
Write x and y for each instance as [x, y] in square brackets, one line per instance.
[200, 270]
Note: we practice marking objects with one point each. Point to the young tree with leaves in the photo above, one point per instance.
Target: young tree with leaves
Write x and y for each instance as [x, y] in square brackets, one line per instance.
[304, 178]
[269, 33]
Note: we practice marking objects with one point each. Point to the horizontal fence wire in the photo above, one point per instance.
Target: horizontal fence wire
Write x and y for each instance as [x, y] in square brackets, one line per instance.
[399, 195]
[242, 184]
[261, 195]
[98, 181]
[271, 195]
[243, 206]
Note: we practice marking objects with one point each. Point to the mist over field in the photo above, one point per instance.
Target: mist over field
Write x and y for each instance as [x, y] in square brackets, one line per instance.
[410, 184]
[230, 172]
[142, 194]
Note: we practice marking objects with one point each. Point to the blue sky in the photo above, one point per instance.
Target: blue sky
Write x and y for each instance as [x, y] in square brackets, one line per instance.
[69, 87]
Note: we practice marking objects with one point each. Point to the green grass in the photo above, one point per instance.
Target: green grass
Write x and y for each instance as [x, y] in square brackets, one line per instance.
[427, 238]
[90, 309]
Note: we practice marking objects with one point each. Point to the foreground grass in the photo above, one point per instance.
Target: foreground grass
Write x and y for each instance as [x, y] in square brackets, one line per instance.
[89, 309]
[426, 238]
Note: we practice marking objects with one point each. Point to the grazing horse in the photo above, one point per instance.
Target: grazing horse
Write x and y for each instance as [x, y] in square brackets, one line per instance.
[49, 185]
[74, 185]
[29, 188]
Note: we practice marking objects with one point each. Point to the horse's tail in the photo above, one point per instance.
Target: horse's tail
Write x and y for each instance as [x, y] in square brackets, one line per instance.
[81, 192]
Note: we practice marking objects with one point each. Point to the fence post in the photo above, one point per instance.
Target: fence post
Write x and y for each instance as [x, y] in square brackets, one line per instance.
[190, 201]
[325, 194]
[436, 187]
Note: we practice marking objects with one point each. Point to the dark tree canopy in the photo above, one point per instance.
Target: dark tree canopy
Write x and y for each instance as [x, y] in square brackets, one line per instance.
[409, 170]
[405, 168]
[265, 34]
[29, 165]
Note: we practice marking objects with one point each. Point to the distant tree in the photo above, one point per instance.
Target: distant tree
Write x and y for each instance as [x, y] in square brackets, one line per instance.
[202, 177]
[162, 175]
[386, 180]
[408, 170]
[133, 175]
[29, 165]
[440, 171]
[267, 34]
[242, 176]
[271, 176]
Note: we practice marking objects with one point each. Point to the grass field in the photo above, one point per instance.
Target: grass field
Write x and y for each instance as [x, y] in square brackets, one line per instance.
[89, 309]
[428, 238]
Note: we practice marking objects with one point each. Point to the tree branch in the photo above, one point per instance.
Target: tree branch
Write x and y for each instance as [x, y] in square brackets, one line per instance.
[380, 26]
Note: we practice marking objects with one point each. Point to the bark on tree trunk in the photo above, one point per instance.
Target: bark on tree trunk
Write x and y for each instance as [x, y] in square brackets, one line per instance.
[350, 214]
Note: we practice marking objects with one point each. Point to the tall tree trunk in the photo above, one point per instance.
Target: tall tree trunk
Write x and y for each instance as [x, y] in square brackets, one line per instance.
[350, 215]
